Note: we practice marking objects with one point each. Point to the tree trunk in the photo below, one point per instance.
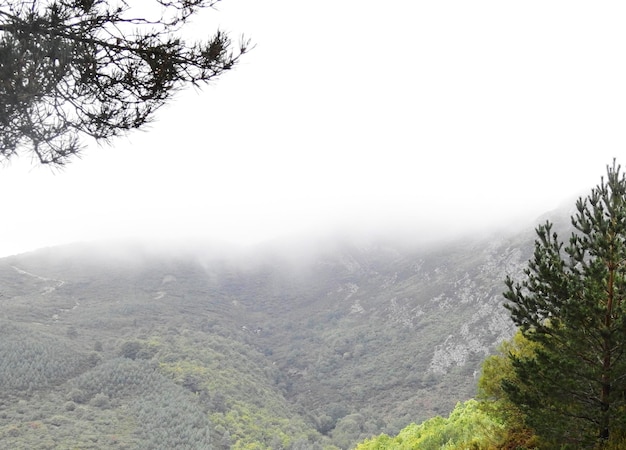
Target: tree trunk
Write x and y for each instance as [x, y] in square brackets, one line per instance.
[605, 394]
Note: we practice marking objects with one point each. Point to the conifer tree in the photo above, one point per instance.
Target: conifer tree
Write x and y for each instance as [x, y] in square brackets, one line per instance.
[98, 68]
[571, 303]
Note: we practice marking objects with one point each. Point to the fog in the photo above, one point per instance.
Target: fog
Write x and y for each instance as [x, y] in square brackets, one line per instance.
[419, 120]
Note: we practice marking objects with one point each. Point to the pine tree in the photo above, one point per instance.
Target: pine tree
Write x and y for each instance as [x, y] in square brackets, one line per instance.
[76, 68]
[571, 303]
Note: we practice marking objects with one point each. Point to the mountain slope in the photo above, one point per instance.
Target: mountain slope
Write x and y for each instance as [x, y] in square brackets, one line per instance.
[286, 348]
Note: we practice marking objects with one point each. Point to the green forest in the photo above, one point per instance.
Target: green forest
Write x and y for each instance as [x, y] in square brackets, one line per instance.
[366, 348]
[353, 347]
[350, 344]
[264, 354]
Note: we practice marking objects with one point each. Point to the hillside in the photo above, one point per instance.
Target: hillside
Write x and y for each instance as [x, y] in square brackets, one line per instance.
[128, 346]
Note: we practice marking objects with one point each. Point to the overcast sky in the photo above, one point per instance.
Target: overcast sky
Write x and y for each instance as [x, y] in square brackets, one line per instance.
[422, 115]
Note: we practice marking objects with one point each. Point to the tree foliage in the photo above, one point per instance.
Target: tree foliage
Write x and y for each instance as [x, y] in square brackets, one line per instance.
[72, 68]
[571, 305]
[493, 399]
[468, 426]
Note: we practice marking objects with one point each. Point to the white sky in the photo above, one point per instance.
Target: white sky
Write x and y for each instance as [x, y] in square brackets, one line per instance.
[425, 115]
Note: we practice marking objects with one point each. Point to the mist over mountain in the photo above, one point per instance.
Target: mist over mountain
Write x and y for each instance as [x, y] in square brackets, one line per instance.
[312, 344]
